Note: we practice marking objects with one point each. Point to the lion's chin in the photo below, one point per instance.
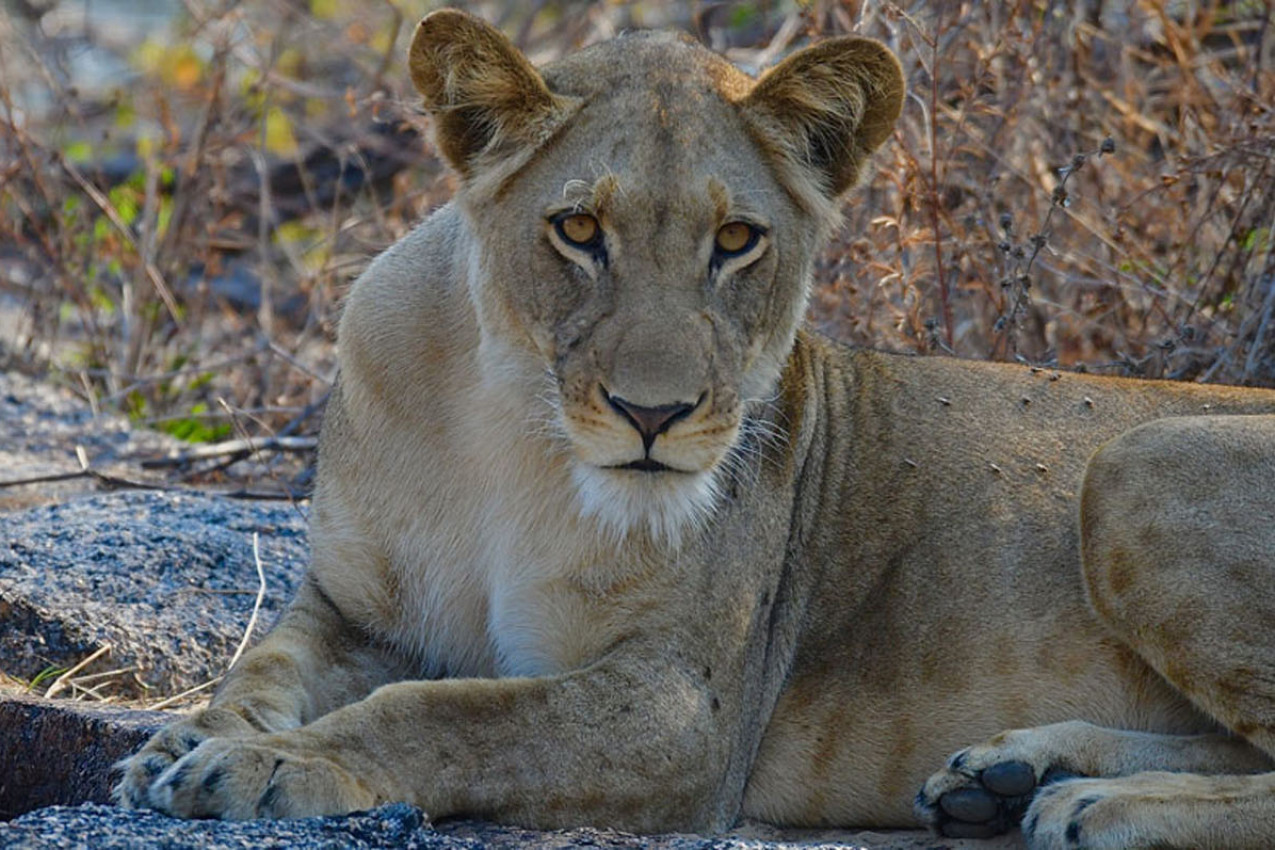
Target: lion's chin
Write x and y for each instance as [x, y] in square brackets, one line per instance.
[666, 506]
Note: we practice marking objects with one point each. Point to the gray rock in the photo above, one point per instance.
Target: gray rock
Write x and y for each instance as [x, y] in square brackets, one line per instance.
[397, 825]
[57, 752]
[167, 580]
[40, 426]
[106, 828]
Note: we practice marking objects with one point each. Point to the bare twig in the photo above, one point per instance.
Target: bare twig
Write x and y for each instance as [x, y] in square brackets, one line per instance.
[256, 606]
[61, 681]
[245, 447]
[189, 692]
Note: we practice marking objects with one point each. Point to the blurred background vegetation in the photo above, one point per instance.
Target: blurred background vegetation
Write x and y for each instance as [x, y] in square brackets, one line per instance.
[188, 186]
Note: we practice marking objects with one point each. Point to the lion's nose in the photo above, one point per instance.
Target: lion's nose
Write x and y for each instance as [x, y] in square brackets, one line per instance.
[650, 422]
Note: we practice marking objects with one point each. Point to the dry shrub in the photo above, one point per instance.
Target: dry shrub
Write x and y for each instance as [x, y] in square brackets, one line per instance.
[1085, 184]
[177, 232]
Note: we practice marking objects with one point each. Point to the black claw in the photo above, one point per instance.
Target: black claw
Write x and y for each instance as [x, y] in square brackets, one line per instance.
[190, 741]
[179, 776]
[154, 766]
[971, 805]
[213, 779]
[1029, 826]
[1009, 778]
[1072, 833]
[269, 797]
[957, 762]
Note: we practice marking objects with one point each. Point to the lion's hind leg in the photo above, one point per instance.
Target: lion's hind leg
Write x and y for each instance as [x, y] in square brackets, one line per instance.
[1178, 537]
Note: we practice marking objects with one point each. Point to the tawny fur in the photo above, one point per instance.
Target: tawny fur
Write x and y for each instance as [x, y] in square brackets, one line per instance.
[853, 565]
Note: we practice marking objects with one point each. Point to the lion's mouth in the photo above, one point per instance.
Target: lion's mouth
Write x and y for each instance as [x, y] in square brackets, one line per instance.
[646, 464]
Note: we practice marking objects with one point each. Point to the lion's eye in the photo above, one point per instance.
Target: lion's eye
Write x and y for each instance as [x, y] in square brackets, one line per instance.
[735, 238]
[579, 230]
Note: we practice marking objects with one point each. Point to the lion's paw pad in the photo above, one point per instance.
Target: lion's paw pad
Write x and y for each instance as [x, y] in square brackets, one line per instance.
[966, 800]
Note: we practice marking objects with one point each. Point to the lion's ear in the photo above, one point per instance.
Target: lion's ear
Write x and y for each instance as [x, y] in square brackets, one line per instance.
[827, 107]
[486, 99]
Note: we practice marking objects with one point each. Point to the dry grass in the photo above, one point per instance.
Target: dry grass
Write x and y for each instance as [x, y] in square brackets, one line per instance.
[176, 233]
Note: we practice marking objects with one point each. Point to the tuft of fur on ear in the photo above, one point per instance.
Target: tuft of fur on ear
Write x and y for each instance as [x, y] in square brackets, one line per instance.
[826, 108]
[486, 99]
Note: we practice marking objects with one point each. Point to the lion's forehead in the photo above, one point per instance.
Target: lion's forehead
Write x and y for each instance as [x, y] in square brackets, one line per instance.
[658, 133]
[646, 61]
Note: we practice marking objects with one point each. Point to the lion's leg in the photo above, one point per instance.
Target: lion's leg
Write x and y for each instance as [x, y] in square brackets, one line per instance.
[1179, 551]
[628, 742]
[311, 663]
[1178, 533]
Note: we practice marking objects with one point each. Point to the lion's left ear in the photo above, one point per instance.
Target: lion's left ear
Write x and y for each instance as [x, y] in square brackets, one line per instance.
[827, 107]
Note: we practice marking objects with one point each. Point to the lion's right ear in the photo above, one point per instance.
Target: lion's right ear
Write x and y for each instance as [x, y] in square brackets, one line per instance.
[486, 99]
[825, 108]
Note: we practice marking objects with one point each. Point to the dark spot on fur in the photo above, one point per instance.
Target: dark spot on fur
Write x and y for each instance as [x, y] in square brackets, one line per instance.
[153, 766]
[1072, 832]
[190, 741]
[179, 776]
[1029, 826]
[213, 779]
[269, 799]
[716, 704]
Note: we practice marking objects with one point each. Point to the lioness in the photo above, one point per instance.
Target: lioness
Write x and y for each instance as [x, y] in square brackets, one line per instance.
[602, 536]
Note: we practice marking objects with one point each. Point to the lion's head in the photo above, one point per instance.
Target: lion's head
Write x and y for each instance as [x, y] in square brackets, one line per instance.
[646, 218]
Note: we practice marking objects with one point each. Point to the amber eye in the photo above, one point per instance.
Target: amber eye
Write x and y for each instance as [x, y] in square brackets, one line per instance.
[578, 229]
[735, 238]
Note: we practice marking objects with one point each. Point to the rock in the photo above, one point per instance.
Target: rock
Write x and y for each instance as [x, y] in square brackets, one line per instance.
[55, 752]
[106, 828]
[40, 426]
[167, 580]
[393, 826]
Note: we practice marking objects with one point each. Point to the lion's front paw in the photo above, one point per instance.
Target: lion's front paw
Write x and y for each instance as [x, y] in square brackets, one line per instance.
[238, 779]
[986, 790]
[1060, 818]
[139, 771]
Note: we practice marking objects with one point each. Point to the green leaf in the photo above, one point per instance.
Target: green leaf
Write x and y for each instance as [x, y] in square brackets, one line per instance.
[50, 672]
[279, 137]
[78, 152]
